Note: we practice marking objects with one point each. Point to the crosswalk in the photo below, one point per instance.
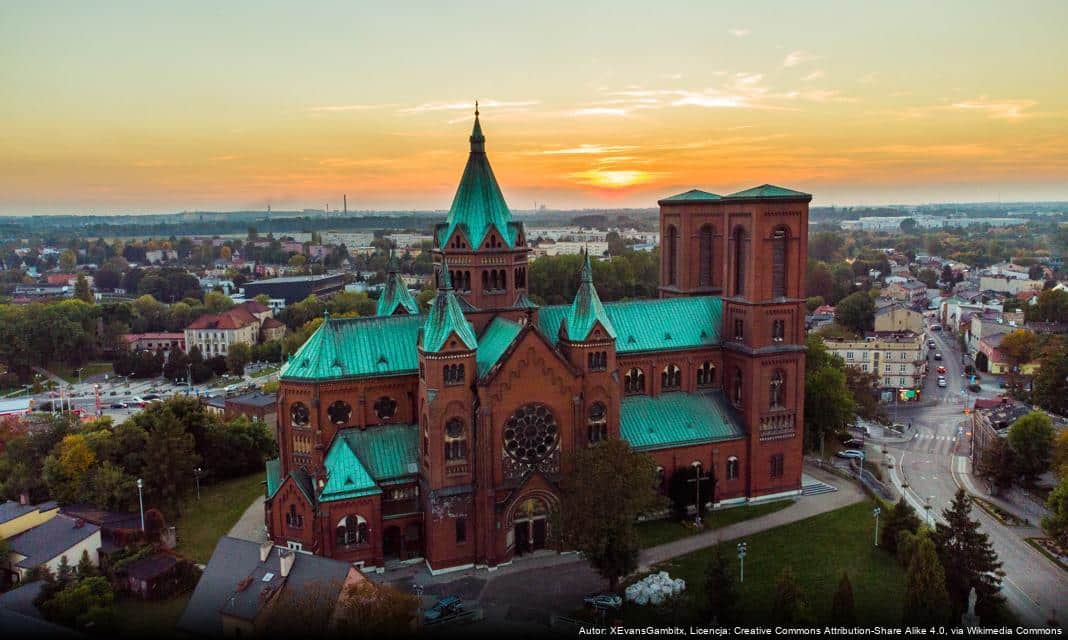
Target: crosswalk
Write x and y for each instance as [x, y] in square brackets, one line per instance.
[931, 436]
[930, 443]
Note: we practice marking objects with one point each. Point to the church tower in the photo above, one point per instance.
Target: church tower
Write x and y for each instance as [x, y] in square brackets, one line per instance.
[485, 248]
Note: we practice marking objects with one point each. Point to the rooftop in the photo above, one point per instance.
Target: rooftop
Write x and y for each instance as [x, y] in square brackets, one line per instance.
[677, 419]
[50, 539]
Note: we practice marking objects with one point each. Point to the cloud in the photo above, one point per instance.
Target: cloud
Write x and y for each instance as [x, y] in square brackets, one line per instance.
[586, 149]
[470, 106]
[1002, 109]
[600, 111]
[348, 107]
[797, 57]
[739, 32]
[815, 75]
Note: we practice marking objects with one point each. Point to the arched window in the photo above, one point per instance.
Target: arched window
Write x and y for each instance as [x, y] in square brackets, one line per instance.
[494, 283]
[339, 412]
[775, 389]
[778, 330]
[778, 263]
[385, 408]
[455, 440]
[705, 255]
[597, 423]
[453, 374]
[706, 375]
[467, 280]
[294, 519]
[485, 281]
[503, 279]
[352, 529]
[739, 261]
[732, 468]
[671, 378]
[737, 386]
[597, 360]
[671, 254]
[634, 381]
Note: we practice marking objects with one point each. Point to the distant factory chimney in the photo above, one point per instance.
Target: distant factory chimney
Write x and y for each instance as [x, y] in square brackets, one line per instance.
[345, 200]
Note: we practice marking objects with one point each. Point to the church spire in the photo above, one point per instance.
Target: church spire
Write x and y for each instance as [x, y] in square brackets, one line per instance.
[586, 309]
[478, 141]
[446, 318]
[395, 296]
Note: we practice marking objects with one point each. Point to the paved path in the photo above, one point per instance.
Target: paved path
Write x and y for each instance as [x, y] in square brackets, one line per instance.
[250, 525]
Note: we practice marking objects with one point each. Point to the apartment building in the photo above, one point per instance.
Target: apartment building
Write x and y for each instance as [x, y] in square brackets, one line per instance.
[899, 359]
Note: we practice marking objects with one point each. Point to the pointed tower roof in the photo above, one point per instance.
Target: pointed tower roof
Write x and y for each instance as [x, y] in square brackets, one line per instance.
[446, 318]
[478, 204]
[586, 309]
[395, 295]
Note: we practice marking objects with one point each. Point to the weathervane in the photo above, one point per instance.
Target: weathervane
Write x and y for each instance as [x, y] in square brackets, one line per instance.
[476, 108]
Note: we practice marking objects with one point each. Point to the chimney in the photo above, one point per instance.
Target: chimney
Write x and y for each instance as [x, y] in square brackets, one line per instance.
[286, 558]
[265, 550]
[79, 523]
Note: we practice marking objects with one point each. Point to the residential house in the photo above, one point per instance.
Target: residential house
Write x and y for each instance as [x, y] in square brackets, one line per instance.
[1008, 284]
[899, 359]
[991, 421]
[255, 405]
[50, 543]
[154, 341]
[984, 325]
[897, 317]
[996, 360]
[912, 292]
[214, 334]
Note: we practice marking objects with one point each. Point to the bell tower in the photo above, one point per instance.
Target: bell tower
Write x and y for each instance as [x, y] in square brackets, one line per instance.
[486, 249]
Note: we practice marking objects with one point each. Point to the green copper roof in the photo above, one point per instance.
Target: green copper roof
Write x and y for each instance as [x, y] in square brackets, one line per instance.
[479, 204]
[355, 347]
[586, 309]
[769, 191]
[346, 477]
[446, 318]
[274, 476]
[275, 480]
[396, 298]
[389, 452]
[497, 337]
[650, 325]
[676, 419]
[693, 195]
[523, 302]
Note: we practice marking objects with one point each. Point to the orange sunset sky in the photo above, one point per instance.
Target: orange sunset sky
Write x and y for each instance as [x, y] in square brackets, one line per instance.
[115, 107]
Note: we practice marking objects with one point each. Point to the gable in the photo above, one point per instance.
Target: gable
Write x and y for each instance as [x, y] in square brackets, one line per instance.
[530, 353]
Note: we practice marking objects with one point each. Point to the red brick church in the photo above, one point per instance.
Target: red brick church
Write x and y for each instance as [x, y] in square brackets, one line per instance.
[442, 436]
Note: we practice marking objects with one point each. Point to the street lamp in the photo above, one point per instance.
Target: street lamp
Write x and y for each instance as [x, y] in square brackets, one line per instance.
[742, 549]
[875, 512]
[196, 474]
[80, 375]
[141, 502]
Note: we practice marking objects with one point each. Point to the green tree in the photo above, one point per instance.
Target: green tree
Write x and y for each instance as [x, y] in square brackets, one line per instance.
[968, 559]
[856, 312]
[111, 488]
[66, 468]
[604, 530]
[842, 610]
[789, 605]
[171, 455]
[83, 604]
[86, 568]
[1019, 348]
[829, 405]
[926, 598]
[720, 590]
[900, 517]
[1056, 523]
[82, 290]
[239, 355]
[928, 277]
[1049, 389]
[1031, 439]
[217, 301]
[1059, 457]
[67, 260]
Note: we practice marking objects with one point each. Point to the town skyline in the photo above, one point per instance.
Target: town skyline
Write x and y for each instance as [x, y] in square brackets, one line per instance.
[858, 106]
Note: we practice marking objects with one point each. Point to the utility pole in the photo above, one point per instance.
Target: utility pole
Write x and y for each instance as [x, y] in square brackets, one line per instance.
[875, 512]
[743, 548]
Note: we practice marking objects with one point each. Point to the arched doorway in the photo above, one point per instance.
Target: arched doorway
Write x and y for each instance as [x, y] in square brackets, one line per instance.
[530, 525]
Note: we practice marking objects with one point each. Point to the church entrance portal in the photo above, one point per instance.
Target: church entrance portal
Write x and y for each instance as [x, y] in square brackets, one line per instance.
[531, 524]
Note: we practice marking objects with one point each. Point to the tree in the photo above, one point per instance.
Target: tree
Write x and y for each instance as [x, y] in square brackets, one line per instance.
[900, 517]
[1049, 389]
[86, 568]
[842, 611]
[217, 301]
[908, 225]
[371, 610]
[720, 590]
[864, 389]
[829, 405]
[856, 312]
[1059, 458]
[1056, 523]
[1031, 439]
[82, 290]
[171, 456]
[968, 559]
[237, 357]
[789, 605]
[82, 604]
[66, 468]
[67, 260]
[926, 598]
[928, 277]
[1019, 348]
[998, 465]
[602, 529]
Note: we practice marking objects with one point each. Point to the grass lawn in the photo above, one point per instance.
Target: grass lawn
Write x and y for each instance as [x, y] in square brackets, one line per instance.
[221, 505]
[266, 371]
[149, 618]
[70, 374]
[818, 550]
[657, 532]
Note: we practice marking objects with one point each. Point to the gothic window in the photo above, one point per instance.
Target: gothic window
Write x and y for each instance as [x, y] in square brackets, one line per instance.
[294, 519]
[671, 378]
[352, 529]
[705, 255]
[634, 381]
[706, 375]
[778, 264]
[775, 389]
[597, 425]
[485, 281]
[298, 413]
[455, 440]
[503, 279]
[778, 330]
[777, 465]
[385, 408]
[739, 262]
[671, 254]
[732, 468]
[739, 329]
[461, 530]
[597, 360]
[339, 412]
[737, 386]
[453, 374]
[531, 434]
[660, 476]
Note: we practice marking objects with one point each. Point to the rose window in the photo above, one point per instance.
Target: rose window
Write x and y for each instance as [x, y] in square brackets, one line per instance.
[531, 433]
[339, 412]
[385, 408]
[299, 413]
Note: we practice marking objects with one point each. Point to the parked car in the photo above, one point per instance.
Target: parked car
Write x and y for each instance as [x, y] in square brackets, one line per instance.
[603, 601]
[850, 453]
[931, 344]
[853, 442]
[941, 381]
[938, 355]
[941, 369]
[151, 396]
[936, 327]
[447, 606]
[119, 405]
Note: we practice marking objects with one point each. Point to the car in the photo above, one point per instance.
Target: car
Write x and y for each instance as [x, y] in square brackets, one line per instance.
[603, 601]
[931, 344]
[850, 453]
[119, 405]
[938, 355]
[443, 608]
[941, 369]
[936, 327]
[941, 381]
[151, 396]
[854, 442]
[114, 393]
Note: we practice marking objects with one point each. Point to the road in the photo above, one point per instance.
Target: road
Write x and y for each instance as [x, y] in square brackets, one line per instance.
[936, 462]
